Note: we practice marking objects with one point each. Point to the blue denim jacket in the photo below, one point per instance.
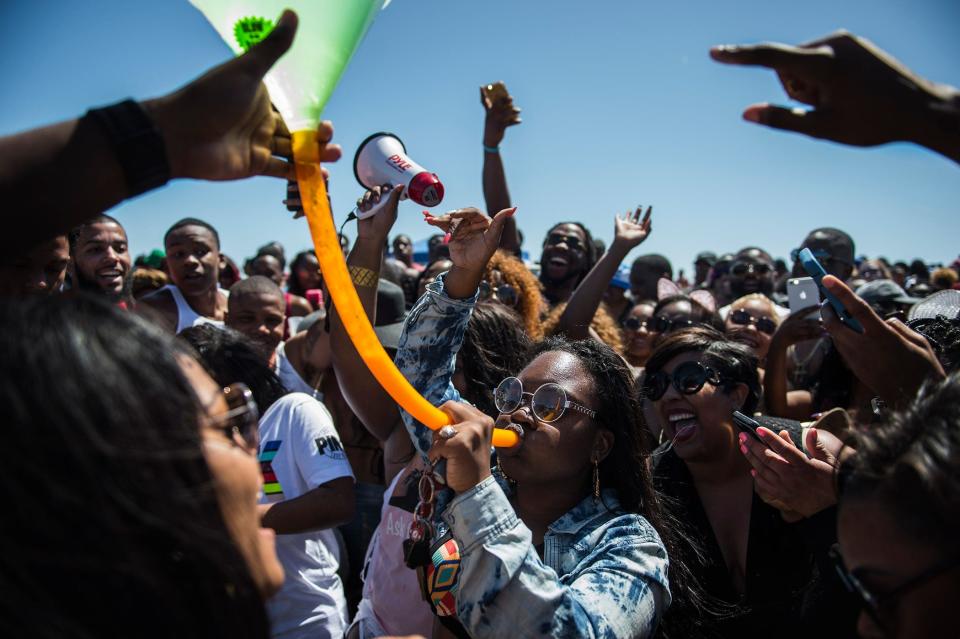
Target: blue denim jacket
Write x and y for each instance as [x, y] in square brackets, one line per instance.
[603, 572]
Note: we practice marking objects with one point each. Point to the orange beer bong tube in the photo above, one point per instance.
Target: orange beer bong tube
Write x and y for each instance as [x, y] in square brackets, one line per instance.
[313, 193]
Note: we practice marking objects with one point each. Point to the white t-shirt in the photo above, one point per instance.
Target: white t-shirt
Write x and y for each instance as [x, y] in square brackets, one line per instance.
[300, 450]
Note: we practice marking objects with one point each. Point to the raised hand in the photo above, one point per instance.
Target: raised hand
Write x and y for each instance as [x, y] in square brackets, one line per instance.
[799, 327]
[631, 229]
[377, 227]
[860, 94]
[500, 113]
[891, 359]
[221, 126]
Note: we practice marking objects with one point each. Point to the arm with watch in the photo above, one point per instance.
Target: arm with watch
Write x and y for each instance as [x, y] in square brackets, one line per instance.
[219, 127]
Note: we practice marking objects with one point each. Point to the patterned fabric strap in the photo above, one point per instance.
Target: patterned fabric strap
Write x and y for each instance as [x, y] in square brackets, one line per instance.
[441, 578]
[363, 276]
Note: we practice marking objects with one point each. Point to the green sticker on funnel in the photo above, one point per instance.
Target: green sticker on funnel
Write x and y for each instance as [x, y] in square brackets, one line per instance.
[249, 31]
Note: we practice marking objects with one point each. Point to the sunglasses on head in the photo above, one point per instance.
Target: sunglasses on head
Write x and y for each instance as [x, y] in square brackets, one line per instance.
[242, 417]
[661, 324]
[763, 324]
[688, 378]
[505, 294]
[548, 403]
[743, 268]
[573, 242]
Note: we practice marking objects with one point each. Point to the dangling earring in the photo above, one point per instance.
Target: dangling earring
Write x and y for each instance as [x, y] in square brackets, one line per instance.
[596, 480]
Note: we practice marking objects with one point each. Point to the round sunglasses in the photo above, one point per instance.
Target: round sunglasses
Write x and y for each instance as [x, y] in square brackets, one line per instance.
[688, 378]
[661, 324]
[763, 324]
[242, 419]
[548, 403]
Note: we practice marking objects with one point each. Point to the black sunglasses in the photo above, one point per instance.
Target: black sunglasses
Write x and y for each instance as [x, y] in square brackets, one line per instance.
[505, 294]
[661, 324]
[763, 324]
[572, 242]
[743, 268]
[872, 603]
[635, 323]
[688, 378]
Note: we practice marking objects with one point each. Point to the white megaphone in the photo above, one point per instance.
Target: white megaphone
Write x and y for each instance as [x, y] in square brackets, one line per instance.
[382, 159]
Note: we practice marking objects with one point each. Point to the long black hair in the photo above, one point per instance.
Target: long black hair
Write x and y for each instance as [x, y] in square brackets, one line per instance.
[494, 347]
[627, 467]
[229, 358]
[112, 526]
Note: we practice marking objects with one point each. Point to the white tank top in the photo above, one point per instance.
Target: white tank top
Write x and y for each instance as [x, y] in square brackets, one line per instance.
[186, 316]
[289, 376]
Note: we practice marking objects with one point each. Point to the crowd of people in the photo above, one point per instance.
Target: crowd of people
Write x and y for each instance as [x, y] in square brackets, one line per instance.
[197, 448]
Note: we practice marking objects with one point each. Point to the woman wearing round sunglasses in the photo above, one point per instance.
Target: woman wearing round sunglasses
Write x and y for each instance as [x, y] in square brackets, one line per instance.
[566, 538]
[133, 484]
[899, 519]
[749, 556]
[752, 321]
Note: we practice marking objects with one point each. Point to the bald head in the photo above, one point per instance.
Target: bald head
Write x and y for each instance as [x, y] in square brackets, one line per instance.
[255, 285]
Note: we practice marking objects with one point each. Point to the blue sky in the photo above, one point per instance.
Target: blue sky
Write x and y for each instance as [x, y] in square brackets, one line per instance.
[621, 106]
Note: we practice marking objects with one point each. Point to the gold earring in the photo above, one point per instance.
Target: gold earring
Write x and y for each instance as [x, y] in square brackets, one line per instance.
[596, 480]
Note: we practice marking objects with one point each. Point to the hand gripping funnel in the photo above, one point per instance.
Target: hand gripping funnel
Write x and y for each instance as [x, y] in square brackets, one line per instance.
[301, 82]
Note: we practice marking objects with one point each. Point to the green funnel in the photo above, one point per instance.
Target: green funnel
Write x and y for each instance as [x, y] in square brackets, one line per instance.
[301, 82]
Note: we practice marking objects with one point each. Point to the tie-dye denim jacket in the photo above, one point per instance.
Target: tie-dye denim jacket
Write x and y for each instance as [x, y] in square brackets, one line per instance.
[603, 572]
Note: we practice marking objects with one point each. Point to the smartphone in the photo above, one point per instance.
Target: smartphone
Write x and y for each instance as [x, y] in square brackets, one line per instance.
[747, 425]
[802, 293]
[815, 270]
[496, 92]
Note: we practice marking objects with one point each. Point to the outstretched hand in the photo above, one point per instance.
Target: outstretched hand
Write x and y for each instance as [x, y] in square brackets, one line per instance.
[631, 229]
[890, 358]
[860, 94]
[473, 240]
[500, 114]
[221, 126]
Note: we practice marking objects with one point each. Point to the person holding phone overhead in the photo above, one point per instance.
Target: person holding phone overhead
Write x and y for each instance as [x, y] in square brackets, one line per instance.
[741, 550]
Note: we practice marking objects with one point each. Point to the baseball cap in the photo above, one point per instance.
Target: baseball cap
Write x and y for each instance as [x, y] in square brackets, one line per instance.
[391, 313]
[885, 291]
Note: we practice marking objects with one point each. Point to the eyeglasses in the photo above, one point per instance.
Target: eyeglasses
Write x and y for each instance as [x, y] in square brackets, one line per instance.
[573, 242]
[548, 403]
[740, 269]
[661, 324]
[873, 603]
[505, 294]
[688, 378]
[242, 418]
[635, 323]
[763, 324]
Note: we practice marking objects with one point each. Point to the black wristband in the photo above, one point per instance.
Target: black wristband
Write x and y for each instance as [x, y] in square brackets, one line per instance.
[139, 146]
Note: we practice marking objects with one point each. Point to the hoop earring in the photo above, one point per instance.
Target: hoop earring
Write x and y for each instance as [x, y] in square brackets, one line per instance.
[596, 480]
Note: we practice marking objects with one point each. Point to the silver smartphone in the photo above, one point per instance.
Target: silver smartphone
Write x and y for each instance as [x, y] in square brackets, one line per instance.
[802, 293]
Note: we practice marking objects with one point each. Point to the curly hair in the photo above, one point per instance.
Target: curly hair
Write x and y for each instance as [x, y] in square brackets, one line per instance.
[529, 298]
[494, 348]
[603, 324]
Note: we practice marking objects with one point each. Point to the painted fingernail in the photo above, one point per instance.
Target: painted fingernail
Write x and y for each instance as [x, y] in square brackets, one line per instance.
[762, 432]
[753, 473]
[742, 437]
[446, 238]
[743, 449]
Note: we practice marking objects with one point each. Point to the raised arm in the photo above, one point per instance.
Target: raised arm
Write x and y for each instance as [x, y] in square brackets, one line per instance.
[219, 127]
[500, 114]
[860, 94]
[433, 332]
[367, 399]
[630, 231]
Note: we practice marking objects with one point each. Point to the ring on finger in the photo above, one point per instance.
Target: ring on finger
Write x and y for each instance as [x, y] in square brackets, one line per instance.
[447, 432]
